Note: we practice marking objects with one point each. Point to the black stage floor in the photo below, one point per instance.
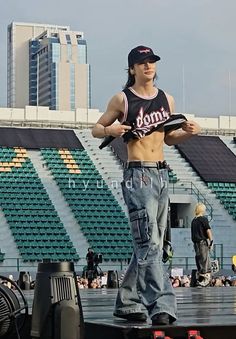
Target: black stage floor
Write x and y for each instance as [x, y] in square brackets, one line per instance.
[210, 310]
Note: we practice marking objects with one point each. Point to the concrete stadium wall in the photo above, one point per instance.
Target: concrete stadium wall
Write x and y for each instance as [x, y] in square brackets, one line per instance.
[90, 116]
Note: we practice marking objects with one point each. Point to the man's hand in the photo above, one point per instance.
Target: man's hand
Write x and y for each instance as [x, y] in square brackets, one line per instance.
[210, 244]
[191, 127]
[117, 130]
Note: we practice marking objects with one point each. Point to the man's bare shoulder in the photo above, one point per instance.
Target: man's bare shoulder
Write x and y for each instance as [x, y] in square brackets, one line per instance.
[116, 105]
[117, 99]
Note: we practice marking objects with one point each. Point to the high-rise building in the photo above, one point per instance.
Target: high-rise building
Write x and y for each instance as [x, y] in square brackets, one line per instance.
[47, 66]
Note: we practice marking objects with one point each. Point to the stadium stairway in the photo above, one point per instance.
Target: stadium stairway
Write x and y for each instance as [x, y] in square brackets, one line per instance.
[8, 244]
[98, 213]
[34, 223]
[187, 175]
[64, 212]
[229, 142]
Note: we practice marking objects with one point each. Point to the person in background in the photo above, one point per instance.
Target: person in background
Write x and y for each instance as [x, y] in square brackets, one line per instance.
[202, 239]
[90, 259]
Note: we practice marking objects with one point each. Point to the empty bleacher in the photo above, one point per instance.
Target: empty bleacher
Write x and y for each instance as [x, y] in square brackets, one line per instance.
[84, 178]
[186, 181]
[210, 158]
[98, 213]
[226, 193]
[216, 165]
[30, 214]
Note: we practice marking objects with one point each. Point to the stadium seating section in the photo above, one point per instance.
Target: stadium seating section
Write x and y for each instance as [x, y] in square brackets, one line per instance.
[226, 192]
[210, 157]
[31, 216]
[35, 224]
[215, 163]
[98, 213]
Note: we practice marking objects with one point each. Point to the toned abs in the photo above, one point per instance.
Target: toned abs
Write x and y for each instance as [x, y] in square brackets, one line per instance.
[148, 148]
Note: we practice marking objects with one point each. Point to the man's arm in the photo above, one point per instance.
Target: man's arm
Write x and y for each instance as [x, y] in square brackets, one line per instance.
[209, 234]
[105, 125]
[189, 128]
[210, 238]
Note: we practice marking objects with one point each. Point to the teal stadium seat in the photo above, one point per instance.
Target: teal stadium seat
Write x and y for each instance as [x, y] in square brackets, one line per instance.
[226, 193]
[29, 212]
[95, 208]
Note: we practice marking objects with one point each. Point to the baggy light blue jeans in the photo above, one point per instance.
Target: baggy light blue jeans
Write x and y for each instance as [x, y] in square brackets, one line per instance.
[145, 192]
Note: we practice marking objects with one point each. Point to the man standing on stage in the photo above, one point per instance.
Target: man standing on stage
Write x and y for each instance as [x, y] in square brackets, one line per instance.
[202, 239]
[145, 108]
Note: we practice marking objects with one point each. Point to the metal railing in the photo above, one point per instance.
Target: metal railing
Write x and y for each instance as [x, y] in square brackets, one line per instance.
[220, 131]
[186, 263]
[190, 188]
[47, 124]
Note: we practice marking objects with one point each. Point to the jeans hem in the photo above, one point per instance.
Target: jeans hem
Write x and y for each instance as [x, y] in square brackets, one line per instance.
[124, 312]
[172, 315]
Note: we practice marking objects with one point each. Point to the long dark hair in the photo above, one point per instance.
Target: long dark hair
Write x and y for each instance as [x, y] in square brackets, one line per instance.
[131, 79]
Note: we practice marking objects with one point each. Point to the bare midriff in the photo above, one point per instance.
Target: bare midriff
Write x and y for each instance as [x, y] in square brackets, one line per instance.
[148, 148]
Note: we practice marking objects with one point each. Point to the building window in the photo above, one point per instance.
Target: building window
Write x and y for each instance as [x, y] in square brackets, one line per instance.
[68, 40]
[69, 52]
[56, 52]
[72, 87]
[82, 54]
[54, 87]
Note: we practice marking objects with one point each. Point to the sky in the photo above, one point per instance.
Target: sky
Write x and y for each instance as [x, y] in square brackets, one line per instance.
[195, 40]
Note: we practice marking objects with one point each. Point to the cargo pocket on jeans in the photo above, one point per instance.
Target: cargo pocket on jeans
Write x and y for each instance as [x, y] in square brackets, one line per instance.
[139, 226]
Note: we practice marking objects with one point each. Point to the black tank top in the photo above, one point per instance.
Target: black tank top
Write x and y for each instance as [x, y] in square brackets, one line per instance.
[144, 114]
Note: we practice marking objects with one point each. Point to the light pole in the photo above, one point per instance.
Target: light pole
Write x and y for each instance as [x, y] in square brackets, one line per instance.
[230, 96]
[183, 86]
[87, 96]
[37, 102]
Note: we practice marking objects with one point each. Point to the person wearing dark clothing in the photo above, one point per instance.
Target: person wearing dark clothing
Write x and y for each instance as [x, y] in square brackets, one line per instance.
[202, 239]
[90, 259]
[146, 108]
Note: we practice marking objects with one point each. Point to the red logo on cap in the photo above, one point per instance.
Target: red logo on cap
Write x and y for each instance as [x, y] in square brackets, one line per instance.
[147, 50]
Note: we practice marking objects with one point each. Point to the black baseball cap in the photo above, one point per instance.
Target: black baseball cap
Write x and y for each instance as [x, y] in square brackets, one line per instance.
[139, 53]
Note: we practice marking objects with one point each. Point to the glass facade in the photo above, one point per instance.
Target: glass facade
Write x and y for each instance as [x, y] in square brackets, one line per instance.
[46, 57]
[72, 87]
[69, 52]
[54, 87]
[82, 52]
[34, 46]
[55, 59]
[55, 51]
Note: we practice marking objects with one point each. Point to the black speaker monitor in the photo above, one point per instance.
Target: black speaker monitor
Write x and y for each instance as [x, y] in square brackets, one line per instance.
[56, 311]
